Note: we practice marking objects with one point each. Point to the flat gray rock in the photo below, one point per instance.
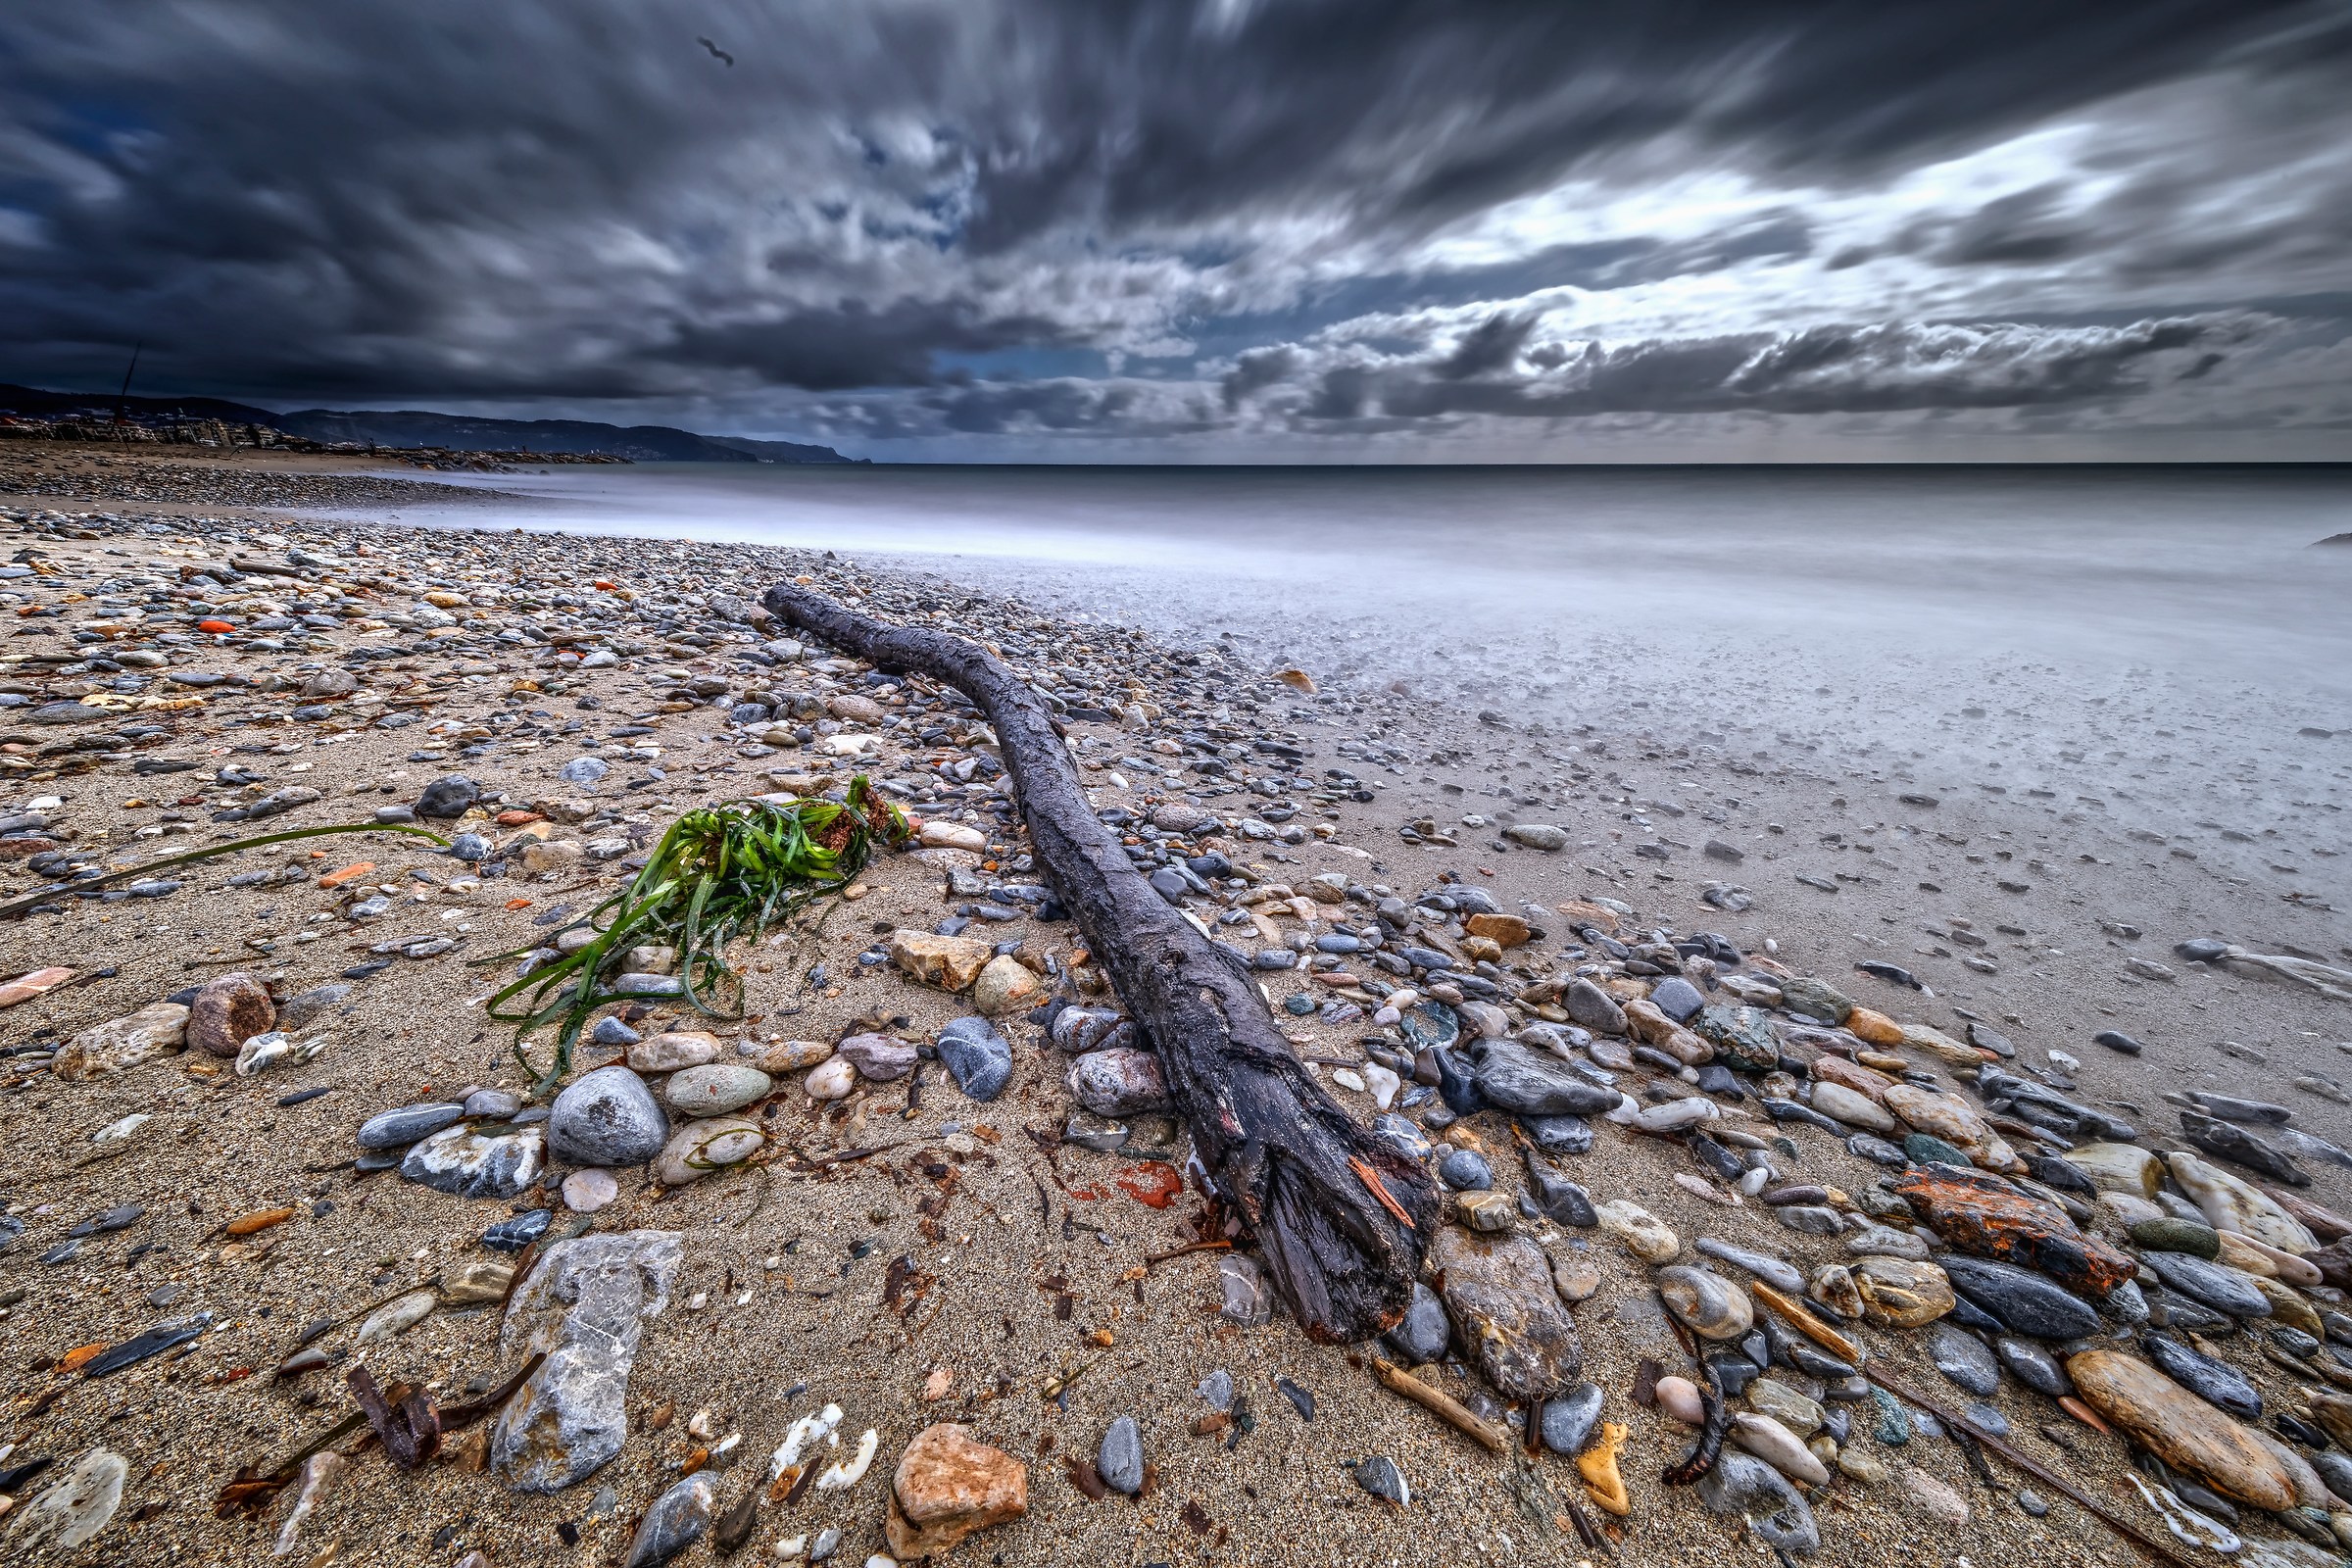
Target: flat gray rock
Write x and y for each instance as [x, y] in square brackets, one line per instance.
[1567, 1423]
[1964, 1358]
[1514, 1078]
[584, 1304]
[1740, 1484]
[979, 1058]
[398, 1129]
[2216, 1284]
[471, 1164]
[1592, 1008]
[676, 1520]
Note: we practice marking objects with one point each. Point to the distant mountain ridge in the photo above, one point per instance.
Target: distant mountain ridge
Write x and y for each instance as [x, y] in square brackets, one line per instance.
[413, 427]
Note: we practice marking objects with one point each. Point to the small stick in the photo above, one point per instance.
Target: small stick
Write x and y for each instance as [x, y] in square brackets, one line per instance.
[1442, 1405]
[1219, 1245]
[842, 1159]
[1813, 1328]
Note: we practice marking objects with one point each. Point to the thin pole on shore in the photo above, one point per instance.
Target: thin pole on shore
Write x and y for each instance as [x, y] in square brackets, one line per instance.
[123, 397]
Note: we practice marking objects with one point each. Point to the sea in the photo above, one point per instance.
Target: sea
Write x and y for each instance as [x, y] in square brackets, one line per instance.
[2170, 644]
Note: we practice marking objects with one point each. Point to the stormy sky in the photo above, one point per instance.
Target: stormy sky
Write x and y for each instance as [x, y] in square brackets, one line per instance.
[1287, 230]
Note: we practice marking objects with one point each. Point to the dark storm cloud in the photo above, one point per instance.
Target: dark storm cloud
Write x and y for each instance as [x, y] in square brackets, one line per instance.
[541, 203]
[1819, 370]
[1432, 109]
[853, 346]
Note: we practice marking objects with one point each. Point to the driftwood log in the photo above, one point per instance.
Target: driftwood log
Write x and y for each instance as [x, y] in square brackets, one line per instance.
[1339, 1212]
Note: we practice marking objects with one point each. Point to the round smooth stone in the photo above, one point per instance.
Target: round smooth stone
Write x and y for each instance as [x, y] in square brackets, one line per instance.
[1567, 1421]
[1705, 1302]
[2170, 1235]
[1466, 1171]
[1852, 1108]
[830, 1079]
[700, 1147]
[608, 1117]
[716, 1088]
[1964, 1358]
[587, 1190]
[2036, 1368]
[496, 1104]
[1679, 1398]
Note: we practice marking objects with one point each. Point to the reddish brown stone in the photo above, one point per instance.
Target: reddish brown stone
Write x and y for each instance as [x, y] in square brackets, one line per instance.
[947, 1486]
[2324, 1223]
[2334, 1263]
[1984, 1215]
[229, 1010]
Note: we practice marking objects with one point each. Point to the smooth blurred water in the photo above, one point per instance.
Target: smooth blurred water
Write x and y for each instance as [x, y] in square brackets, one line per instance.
[2172, 627]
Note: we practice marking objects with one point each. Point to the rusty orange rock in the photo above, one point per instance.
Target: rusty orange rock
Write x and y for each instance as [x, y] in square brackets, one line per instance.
[1984, 1215]
[1873, 1028]
[947, 1486]
[350, 873]
[1503, 930]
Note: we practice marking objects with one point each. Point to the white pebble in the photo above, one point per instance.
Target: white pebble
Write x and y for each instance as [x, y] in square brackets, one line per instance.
[587, 1190]
[831, 1079]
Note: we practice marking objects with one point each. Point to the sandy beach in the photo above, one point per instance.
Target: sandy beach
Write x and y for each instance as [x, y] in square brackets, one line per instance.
[910, 1255]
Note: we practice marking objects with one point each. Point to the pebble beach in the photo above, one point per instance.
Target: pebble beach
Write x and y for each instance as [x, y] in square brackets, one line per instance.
[1829, 1121]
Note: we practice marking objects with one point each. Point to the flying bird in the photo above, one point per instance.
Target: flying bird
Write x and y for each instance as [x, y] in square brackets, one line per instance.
[717, 52]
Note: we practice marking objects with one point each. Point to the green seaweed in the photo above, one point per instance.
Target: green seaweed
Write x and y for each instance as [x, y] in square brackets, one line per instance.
[720, 874]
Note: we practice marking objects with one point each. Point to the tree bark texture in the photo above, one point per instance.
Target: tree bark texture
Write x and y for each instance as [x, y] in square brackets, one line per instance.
[1340, 1212]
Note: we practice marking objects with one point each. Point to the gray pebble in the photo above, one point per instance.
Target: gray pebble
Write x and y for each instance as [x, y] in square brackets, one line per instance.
[1120, 1460]
[1380, 1477]
[1567, 1421]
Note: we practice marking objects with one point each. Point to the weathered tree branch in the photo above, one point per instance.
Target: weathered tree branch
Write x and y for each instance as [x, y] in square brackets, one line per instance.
[1340, 1212]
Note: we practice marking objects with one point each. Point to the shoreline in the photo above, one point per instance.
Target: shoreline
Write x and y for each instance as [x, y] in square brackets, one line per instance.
[2059, 973]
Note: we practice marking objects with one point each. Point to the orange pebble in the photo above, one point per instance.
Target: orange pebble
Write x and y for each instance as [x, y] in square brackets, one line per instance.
[2084, 1413]
[349, 873]
[259, 1220]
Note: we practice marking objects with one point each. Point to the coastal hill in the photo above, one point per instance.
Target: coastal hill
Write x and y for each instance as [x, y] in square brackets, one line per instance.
[408, 428]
